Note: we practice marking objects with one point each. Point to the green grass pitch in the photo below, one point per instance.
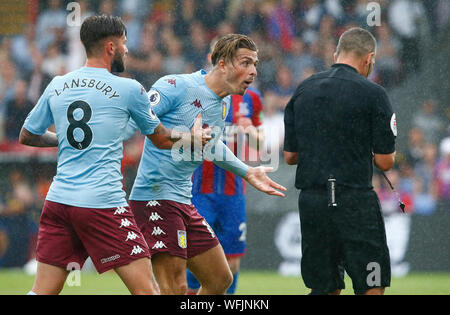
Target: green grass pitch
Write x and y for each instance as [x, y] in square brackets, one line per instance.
[250, 283]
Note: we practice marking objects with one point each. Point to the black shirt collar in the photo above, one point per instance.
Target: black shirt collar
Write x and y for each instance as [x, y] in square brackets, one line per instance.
[338, 65]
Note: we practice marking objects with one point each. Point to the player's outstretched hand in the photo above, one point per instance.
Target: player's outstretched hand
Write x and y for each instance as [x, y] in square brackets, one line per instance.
[257, 177]
[200, 134]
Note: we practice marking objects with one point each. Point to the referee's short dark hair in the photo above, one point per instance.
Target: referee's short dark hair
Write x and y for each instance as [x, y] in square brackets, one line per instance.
[99, 27]
[357, 41]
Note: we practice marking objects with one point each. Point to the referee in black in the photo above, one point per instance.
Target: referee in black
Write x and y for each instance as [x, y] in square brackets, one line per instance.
[338, 124]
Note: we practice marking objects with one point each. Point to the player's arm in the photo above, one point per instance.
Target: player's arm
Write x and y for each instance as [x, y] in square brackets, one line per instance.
[255, 176]
[164, 138]
[34, 131]
[48, 139]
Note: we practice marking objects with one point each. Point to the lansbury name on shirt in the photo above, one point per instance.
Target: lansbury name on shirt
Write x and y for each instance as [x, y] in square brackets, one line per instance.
[103, 87]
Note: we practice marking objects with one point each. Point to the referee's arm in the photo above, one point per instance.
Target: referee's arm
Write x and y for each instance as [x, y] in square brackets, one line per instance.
[384, 161]
[290, 139]
[384, 133]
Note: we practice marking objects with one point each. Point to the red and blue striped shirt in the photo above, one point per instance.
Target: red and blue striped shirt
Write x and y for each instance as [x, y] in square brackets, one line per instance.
[211, 179]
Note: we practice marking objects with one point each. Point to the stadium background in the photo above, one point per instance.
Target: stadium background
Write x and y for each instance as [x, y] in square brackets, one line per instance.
[295, 39]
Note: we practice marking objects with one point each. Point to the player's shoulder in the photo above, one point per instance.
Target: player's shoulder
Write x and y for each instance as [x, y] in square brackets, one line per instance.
[172, 81]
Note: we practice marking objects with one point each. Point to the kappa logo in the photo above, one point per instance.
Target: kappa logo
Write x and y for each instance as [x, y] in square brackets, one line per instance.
[136, 250]
[157, 231]
[172, 82]
[159, 245]
[109, 259]
[125, 223]
[182, 241]
[154, 216]
[132, 236]
[197, 104]
[120, 210]
[209, 228]
[153, 203]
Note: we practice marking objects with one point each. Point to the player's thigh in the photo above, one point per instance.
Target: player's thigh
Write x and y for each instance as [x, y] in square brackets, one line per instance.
[138, 277]
[365, 250]
[110, 236]
[49, 279]
[58, 243]
[170, 273]
[321, 263]
[211, 267]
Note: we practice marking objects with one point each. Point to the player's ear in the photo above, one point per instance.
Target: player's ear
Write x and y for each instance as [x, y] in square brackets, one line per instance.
[335, 57]
[110, 47]
[221, 65]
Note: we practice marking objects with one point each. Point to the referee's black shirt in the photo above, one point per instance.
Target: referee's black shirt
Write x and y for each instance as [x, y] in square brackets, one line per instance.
[334, 121]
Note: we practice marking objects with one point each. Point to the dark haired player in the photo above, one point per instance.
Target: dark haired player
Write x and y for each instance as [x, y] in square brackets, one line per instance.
[85, 212]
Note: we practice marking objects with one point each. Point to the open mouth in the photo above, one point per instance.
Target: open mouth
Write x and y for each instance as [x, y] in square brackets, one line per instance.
[248, 82]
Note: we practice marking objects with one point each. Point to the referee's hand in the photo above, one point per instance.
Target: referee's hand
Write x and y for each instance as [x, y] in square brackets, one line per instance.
[257, 177]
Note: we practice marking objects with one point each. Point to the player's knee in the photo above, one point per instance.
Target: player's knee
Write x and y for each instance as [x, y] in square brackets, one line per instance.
[176, 285]
[223, 282]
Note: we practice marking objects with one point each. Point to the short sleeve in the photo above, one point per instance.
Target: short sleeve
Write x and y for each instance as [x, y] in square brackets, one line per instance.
[40, 118]
[165, 94]
[140, 110]
[290, 138]
[384, 124]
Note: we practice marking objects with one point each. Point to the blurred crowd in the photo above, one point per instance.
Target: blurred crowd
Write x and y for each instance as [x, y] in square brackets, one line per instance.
[295, 39]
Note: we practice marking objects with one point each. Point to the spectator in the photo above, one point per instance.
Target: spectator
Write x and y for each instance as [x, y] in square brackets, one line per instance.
[429, 121]
[17, 110]
[134, 30]
[442, 173]
[388, 63]
[107, 7]
[49, 21]
[211, 14]
[174, 62]
[54, 62]
[403, 16]
[76, 55]
[426, 189]
[249, 18]
[281, 24]
[15, 221]
[185, 16]
[21, 47]
[198, 47]
[281, 92]
[146, 63]
[298, 60]
[416, 143]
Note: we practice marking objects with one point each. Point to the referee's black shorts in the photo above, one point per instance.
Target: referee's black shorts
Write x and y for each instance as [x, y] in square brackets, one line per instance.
[348, 237]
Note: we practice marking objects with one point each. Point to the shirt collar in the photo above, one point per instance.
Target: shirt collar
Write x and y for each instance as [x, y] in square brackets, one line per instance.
[337, 65]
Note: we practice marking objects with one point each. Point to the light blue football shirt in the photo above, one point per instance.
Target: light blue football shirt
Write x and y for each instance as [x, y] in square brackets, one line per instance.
[177, 100]
[90, 108]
